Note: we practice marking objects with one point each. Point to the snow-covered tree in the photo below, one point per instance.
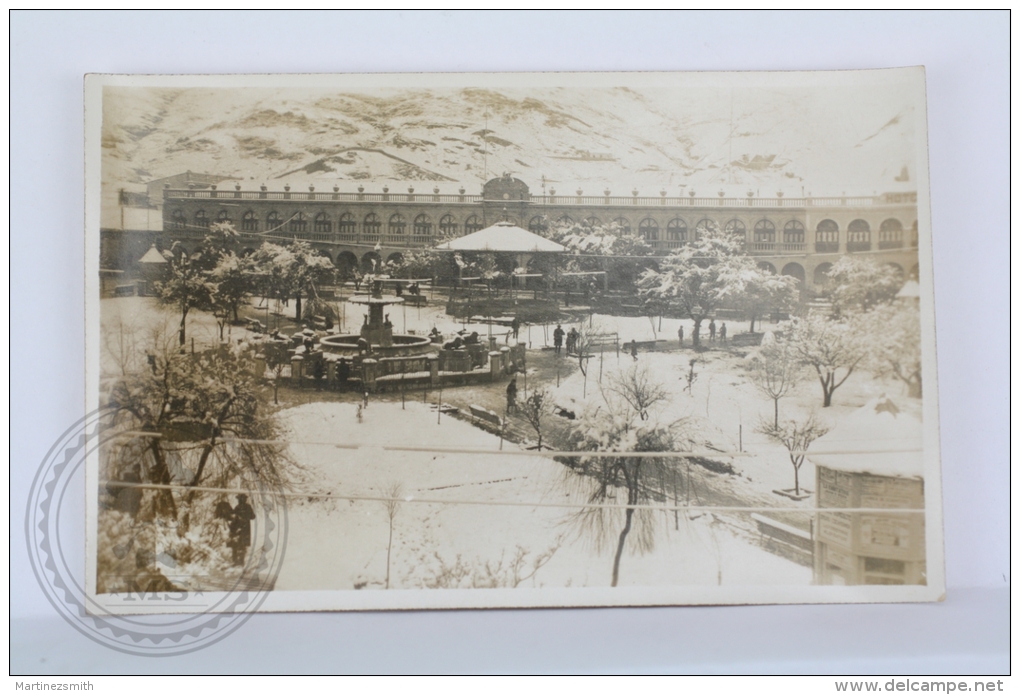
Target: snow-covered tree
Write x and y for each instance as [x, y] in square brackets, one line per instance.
[705, 275]
[756, 292]
[231, 282]
[858, 284]
[184, 288]
[628, 419]
[796, 437]
[534, 410]
[896, 344]
[198, 405]
[833, 348]
[775, 370]
[616, 251]
[292, 271]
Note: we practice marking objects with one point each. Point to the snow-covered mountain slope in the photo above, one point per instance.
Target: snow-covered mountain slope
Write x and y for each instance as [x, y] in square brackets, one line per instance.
[818, 141]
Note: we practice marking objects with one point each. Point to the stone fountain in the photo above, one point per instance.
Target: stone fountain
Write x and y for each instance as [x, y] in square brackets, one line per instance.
[377, 331]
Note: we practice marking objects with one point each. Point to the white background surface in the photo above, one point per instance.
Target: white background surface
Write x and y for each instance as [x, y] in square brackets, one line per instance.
[966, 56]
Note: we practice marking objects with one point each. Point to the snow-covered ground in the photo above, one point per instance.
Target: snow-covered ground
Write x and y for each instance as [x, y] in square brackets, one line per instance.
[473, 531]
[339, 543]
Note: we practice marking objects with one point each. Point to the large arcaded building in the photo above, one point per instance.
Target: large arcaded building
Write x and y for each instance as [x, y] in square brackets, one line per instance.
[801, 237]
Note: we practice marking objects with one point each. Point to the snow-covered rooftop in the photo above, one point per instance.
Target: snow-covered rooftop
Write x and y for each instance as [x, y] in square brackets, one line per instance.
[504, 237]
[881, 438]
[152, 256]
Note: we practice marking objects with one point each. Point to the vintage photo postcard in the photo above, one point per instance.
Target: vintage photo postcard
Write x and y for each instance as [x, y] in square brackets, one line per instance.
[509, 340]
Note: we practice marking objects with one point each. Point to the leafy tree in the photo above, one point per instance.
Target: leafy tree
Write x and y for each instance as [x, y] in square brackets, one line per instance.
[610, 249]
[702, 276]
[626, 421]
[796, 437]
[756, 291]
[896, 348]
[858, 284]
[184, 288]
[231, 282]
[834, 348]
[192, 409]
[775, 371]
[292, 271]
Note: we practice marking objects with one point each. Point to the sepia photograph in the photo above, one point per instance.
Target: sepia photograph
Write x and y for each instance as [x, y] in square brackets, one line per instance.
[406, 341]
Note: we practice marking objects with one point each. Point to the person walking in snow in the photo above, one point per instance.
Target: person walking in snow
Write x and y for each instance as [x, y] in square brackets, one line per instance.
[558, 338]
[680, 335]
[711, 331]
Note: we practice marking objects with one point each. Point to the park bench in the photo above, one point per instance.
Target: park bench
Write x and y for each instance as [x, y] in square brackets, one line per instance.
[485, 415]
[791, 536]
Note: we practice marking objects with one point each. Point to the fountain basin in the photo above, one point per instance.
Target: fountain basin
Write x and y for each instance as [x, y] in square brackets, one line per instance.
[346, 345]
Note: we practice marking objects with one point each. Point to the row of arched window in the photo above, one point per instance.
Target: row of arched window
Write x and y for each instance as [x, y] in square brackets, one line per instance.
[300, 223]
[764, 231]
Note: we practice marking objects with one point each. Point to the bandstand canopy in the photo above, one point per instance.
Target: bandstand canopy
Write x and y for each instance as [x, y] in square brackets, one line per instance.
[503, 237]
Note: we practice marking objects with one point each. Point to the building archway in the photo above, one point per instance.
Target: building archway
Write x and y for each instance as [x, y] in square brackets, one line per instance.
[706, 226]
[324, 253]
[223, 217]
[766, 266]
[592, 222]
[897, 268]
[299, 223]
[858, 236]
[201, 220]
[250, 222]
[448, 225]
[273, 222]
[565, 222]
[649, 229]
[397, 225]
[676, 230]
[472, 224]
[347, 224]
[538, 224]
[346, 262]
[372, 226]
[827, 237]
[396, 258]
[422, 225]
[764, 232]
[890, 234]
[793, 233]
[323, 224]
[820, 277]
[371, 262]
[795, 270]
[622, 225]
[178, 220]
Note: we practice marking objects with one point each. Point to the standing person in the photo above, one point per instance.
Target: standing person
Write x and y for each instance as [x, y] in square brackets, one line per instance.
[515, 326]
[680, 335]
[240, 529]
[711, 331]
[633, 349]
[558, 338]
[722, 333]
[511, 396]
[343, 373]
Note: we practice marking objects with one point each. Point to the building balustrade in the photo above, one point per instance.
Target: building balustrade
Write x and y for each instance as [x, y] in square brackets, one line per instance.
[858, 246]
[543, 200]
[826, 247]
